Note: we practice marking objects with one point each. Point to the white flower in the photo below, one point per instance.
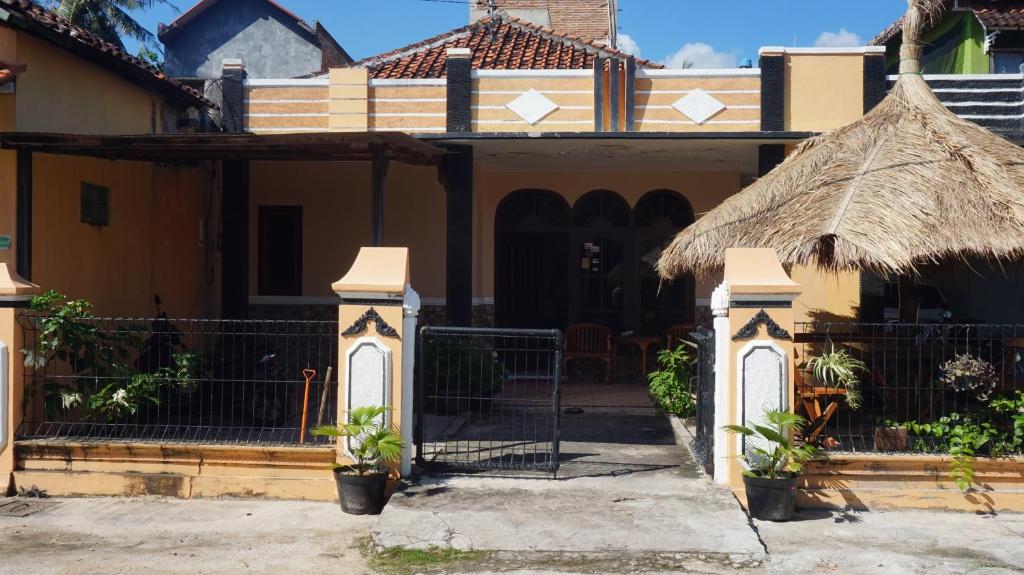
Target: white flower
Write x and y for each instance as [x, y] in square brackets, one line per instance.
[33, 359]
[121, 397]
[69, 400]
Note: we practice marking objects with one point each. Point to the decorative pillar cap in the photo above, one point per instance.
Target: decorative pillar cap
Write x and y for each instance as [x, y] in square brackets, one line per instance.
[459, 53]
[377, 273]
[13, 287]
[757, 271]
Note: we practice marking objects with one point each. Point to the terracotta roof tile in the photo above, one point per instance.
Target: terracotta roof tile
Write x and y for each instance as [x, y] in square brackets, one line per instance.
[38, 21]
[510, 44]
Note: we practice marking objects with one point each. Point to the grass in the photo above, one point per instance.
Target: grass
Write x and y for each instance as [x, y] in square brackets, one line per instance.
[400, 561]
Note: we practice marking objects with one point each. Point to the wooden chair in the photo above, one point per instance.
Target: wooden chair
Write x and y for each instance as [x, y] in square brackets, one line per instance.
[678, 333]
[810, 397]
[589, 341]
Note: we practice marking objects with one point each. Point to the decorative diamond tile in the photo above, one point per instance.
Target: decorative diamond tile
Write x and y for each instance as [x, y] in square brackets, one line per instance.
[698, 106]
[532, 106]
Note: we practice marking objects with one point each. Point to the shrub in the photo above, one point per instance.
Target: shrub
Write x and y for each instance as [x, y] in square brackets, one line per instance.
[670, 386]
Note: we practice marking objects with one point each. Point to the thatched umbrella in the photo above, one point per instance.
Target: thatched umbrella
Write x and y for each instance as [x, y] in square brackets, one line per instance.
[908, 184]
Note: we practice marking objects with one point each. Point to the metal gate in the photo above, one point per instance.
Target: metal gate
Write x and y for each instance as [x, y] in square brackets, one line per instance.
[703, 444]
[488, 399]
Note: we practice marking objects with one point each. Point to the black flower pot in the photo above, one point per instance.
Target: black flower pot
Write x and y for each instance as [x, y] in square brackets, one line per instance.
[361, 494]
[771, 499]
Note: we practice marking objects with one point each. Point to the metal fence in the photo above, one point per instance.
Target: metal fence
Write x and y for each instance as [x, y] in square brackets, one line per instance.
[703, 444]
[488, 399]
[178, 380]
[916, 387]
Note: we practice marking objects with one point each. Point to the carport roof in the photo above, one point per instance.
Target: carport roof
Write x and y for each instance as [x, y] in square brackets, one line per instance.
[172, 148]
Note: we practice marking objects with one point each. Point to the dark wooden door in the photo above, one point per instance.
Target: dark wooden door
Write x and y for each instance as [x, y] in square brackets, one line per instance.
[280, 251]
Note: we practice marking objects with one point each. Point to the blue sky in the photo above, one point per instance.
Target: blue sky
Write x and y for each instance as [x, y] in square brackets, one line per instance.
[709, 33]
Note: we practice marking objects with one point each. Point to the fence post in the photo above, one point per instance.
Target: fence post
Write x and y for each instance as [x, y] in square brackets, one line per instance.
[376, 349]
[14, 295]
[754, 350]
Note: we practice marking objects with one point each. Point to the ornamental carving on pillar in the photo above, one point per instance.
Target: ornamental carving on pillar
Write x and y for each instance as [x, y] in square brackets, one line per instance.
[750, 329]
[359, 326]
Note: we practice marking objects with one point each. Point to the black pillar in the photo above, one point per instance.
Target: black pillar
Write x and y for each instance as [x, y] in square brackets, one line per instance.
[234, 290]
[613, 94]
[232, 96]
[23, 224]
[769, 156]
[459, 114]
[378, 176]
[875, 82]
[773, 92]
[458, 184]
[599, 94]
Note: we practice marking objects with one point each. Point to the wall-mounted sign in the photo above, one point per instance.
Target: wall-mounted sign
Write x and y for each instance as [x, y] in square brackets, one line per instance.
[5, 242]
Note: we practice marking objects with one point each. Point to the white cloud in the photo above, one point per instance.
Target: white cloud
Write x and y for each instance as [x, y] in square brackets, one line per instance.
[627, 44]
[841, 39]
[700, 55]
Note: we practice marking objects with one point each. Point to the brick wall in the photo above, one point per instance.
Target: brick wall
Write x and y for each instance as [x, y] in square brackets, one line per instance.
[587, 19]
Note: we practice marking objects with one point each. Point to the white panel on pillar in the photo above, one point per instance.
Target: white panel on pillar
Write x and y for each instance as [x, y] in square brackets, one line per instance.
[763, 374]
[369, 376]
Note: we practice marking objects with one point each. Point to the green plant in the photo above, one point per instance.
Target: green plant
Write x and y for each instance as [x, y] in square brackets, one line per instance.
[963, 437]
[777, 457]
[670, 386]
[966, 373]
[68, 334]
[836, 368]
[374, 445]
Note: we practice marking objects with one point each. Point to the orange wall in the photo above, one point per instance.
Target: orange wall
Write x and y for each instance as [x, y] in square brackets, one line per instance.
[8, 53]
[152, 245]
[823, 92]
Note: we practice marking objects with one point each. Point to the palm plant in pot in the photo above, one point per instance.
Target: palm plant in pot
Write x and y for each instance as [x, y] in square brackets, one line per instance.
[773, 464]
[374, 446]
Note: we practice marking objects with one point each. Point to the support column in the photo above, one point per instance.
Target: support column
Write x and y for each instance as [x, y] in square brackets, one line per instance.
[23, 225]
[378, 178]
[15, 294]
[376, 352]
[773, 90]
[234, 295]
[458, 185]
[756, 335]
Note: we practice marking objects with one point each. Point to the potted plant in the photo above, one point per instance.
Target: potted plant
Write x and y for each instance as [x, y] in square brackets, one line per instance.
[837, 370]
[373, 446]
[773, 465]
[969, 374]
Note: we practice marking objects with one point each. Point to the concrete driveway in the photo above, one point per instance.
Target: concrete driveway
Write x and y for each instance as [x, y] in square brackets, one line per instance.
[625, 483]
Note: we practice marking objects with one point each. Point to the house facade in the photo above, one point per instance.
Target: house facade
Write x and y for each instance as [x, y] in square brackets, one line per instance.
[72, 82]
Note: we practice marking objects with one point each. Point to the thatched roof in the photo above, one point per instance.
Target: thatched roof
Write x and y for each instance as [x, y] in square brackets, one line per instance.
[910, 183]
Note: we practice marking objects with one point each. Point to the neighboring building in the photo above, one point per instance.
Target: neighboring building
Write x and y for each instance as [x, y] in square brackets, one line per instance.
[974, 37]
[87, 225]
[593, 20]
[269, 40]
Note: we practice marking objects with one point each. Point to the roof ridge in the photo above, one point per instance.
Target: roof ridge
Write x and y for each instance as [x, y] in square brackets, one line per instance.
[456, 33]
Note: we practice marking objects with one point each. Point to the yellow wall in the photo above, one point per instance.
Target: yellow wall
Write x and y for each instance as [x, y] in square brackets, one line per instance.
[61, 92]
[823, 92]
[336, 218]
[152, 245]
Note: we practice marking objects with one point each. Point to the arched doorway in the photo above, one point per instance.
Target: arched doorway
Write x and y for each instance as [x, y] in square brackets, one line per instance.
[600, 245]
[657, 218]
[531, 260]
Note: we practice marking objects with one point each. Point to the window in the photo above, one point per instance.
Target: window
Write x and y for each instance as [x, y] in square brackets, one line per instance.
[280, 250]
[95, 204]
[1007, 62]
